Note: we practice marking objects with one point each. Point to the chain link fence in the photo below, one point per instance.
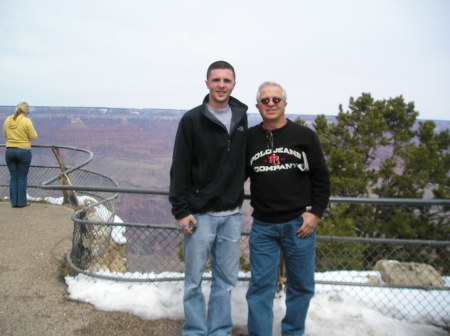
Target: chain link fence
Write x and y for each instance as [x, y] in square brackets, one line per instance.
[45, 170]
[358, 267]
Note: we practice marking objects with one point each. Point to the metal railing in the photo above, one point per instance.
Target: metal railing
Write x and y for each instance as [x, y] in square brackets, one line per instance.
[128, 251]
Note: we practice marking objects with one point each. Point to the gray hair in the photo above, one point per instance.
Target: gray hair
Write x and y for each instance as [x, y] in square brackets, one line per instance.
[269, 83]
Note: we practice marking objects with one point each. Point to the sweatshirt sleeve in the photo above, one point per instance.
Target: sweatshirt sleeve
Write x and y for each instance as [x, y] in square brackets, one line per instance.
[4, 127]
[320, 179]
[32, 134]
[180, 171]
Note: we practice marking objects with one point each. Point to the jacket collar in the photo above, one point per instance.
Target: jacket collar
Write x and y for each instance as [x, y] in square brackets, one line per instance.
[238, 110]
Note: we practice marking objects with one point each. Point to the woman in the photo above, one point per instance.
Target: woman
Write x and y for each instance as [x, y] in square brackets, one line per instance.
[19, 131]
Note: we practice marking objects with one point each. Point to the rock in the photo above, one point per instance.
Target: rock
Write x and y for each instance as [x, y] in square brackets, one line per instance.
[408, 273]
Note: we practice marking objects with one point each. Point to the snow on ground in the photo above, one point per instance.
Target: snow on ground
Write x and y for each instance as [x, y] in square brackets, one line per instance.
[332, 312]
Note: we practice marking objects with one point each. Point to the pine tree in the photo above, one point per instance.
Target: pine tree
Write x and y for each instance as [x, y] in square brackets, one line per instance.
[378, 149]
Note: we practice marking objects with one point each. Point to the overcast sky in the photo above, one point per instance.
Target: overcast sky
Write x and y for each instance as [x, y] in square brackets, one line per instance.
[154, 54]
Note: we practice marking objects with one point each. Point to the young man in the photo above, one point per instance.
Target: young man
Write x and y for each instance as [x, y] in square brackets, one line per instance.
[289, 185]
[206, 193]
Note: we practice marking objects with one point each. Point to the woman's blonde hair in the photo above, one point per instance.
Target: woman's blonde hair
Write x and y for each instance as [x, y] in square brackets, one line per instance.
[21, 108]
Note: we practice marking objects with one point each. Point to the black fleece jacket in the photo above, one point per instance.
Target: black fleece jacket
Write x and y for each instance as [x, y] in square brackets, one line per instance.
[287, 174]
[208, 164]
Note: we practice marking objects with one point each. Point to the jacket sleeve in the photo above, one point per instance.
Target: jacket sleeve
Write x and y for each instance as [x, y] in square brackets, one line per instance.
[320, 178]
[180, 171]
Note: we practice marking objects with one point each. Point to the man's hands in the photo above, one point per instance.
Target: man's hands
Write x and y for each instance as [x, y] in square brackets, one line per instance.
[184, 222]
[309, 225]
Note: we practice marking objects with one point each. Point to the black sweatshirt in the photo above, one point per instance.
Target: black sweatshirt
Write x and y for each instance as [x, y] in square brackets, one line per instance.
[288, 176]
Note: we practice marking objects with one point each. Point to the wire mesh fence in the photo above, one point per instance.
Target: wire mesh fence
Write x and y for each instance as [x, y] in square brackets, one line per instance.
[411, 273]
[45, 170]
[416, 283]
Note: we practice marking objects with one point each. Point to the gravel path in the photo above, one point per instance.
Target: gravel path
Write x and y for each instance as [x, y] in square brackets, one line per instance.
[34, 299]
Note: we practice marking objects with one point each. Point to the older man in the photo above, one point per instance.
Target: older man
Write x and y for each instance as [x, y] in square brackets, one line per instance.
[289, 193]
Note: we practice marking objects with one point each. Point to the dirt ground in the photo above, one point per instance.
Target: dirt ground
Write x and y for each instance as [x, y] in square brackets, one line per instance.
[33, 296]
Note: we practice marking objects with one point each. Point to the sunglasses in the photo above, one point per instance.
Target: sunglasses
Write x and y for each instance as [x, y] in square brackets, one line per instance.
[266, 101]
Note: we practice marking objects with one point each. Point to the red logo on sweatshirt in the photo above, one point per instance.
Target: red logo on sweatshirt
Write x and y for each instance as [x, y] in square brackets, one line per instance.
[274, 159]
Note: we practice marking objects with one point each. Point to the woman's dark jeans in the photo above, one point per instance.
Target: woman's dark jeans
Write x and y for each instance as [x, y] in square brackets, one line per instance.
[18, 161]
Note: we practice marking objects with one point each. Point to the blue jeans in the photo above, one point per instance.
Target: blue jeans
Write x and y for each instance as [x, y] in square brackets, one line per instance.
[266, 241]
[219, 237]
[18, 161]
